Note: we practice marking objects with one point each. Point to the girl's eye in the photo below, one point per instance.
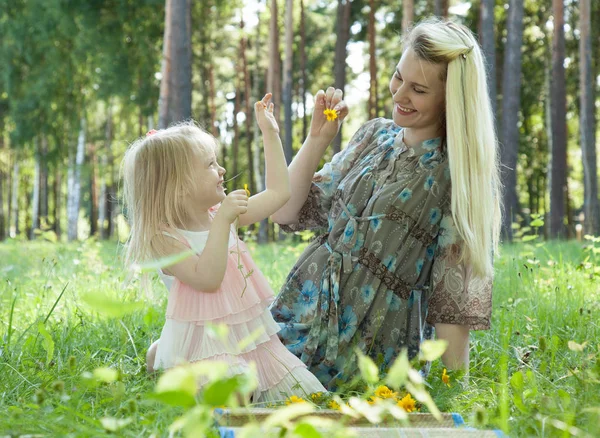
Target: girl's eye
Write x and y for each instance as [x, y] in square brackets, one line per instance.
[419, 91]
[397, 76]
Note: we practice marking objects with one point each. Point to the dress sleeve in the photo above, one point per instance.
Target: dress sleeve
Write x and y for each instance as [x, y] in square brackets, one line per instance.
[314, 212]
[457, 295]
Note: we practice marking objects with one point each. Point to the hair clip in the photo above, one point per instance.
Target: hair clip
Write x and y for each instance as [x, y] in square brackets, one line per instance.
[151, 132]
[466, 52]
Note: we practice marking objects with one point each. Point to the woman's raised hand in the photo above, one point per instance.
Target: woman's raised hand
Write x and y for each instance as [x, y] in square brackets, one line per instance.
[322, 129]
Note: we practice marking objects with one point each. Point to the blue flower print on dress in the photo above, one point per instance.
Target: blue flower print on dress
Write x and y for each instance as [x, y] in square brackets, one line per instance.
[429, 182]
[330, 179]
[375, 224]
[427, 156]
[448, 232]
[296, 345]
[288, 331]
[431, 144]
[392, 301]
[430, 251]
[419, 266]
[390, 262]
[435, 215]
[349, 231]
[307, 298]
[367, 293]
[405, 194]
[351, 208]
[282, 313]
[360, 242]
[348, 323]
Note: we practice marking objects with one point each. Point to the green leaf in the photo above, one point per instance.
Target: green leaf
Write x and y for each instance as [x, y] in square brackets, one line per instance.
[516, 381]
[106, 375]
[112, 424]
[218, 393]
[574, 346]
[529, 238]
[181, 378]
[109, 306]
[399, 370]
[537, 223]
[367, 367]
[307, 430]
[163, 262]
[174, 398]
[284, 415]
[432, 350]
[47, 343]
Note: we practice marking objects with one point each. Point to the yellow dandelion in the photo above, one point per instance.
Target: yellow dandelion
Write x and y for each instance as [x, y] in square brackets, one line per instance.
[316, 396]
[408, 403]
[446, 378]
[333, 405]
[385, 392]
[294, 399]
[331, 114]
[373, 400]
[246, 188]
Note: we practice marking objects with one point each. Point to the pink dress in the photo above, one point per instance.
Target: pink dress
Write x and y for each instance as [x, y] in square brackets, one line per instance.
[186, 338]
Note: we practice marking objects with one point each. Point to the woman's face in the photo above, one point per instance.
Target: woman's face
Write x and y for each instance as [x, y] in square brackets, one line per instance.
[419, 95]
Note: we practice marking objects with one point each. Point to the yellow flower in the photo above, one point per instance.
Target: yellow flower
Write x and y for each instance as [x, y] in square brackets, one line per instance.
[331, 114]
[407, 403]
[294, 399]
[385, 392]
[373, 400]
[316, 396]
[446, 378]
[246, 188]
[333, 405]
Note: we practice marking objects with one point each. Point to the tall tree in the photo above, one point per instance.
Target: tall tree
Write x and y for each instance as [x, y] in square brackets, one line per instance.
[341, 50]
[274, 71]
[511, 89]
[35, 202]
[287, 79]
[2, 182]
[248, 105]
[587, 122]
[175, 103]
[408, 13]
[371, 31]
[488, 44]
[440, 8]
[558, 171]
[74, 189]
[303, 78]
[14, 201]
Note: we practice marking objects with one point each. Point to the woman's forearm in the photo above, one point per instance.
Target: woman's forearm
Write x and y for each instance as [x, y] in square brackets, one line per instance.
[301, 172]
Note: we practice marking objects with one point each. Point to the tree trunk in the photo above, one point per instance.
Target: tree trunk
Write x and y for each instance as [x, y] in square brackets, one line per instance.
[303, 79]
[511, 102]
[274, 71]
[93, 192]
[488, 44]
[249, 106]
[287, 79]
[339, 68]
[35, 201]
[371, 30]
[587, 124]
[14, 202]
[440, 8]
[57, 197]
[236, 132]
[2, 185]
[408, 13]
[559, 125]
[75, 185]
[175, 102]
[108, 196]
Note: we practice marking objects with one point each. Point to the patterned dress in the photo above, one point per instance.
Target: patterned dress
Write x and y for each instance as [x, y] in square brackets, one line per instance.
[386, 265]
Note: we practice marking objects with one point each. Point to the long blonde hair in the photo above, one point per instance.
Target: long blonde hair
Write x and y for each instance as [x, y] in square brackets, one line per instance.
[158, 174]
[470, 136]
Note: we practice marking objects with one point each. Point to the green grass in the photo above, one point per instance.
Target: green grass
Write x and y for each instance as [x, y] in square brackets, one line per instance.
[526, 377]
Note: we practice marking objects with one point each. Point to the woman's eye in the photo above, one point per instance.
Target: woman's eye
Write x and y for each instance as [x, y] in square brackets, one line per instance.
[419, 91]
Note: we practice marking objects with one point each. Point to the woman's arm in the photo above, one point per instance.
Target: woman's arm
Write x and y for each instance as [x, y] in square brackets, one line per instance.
[306, 161]
[457, 353]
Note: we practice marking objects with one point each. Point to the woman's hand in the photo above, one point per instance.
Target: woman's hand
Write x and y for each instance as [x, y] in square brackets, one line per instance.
[264, 115]
[321, 129]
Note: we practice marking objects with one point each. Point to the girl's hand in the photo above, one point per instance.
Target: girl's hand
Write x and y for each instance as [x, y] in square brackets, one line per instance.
[320, 128]
[234, 204]
[264, 115]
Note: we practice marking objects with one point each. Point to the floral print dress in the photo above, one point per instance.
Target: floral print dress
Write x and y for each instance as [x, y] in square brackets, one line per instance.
[386, 265]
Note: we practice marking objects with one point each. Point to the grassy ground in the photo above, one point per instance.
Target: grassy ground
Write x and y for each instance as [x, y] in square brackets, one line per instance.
[536, 373]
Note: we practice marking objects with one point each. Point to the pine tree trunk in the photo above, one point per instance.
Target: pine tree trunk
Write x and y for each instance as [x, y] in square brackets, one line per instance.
[236, 132]
[303, 79]
[175, 102]
[274, 71]
[107, 197]
[440, 8]
[35, 201]
[57, 204]
[339, 68]
[93, 192]
[249, 111]
[14, 202]
[75, 185]
[559, 125]
[371, 30]
[408, 13]
[2, 185]
[511, 102]
[287, 79]
[488, 44]
[587, 123]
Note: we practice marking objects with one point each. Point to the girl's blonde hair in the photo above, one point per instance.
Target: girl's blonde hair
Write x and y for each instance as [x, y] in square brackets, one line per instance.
[158, 175]
[470, 136]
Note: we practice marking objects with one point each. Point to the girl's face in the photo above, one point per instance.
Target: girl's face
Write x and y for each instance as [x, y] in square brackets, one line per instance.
[209, 179]
[419, 95]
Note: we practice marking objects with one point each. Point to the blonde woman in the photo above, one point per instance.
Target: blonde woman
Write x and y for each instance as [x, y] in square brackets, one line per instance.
[176, 202]
[409, 213]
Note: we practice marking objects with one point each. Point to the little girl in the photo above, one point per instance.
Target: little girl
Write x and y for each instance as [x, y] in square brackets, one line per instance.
[176, 200]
